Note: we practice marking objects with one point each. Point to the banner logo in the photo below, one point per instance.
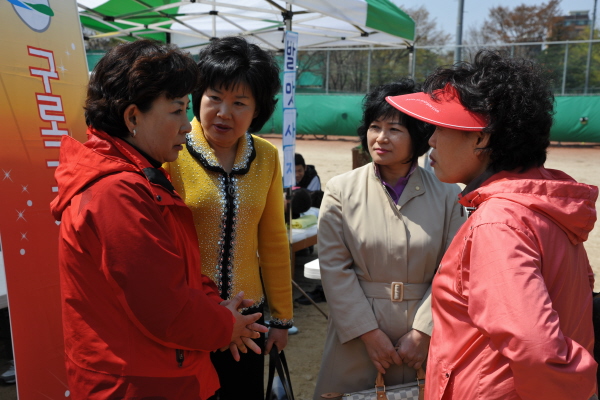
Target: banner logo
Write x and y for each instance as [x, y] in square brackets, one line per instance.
[36, 14]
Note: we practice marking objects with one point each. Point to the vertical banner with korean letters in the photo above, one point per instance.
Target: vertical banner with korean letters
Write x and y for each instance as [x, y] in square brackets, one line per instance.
[43, 75]
[289, 108]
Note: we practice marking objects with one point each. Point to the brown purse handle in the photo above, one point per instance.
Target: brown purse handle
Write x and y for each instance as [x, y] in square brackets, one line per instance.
[380, 385]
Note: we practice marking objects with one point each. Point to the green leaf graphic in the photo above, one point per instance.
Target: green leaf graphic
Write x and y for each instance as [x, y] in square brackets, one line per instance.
[42, 8]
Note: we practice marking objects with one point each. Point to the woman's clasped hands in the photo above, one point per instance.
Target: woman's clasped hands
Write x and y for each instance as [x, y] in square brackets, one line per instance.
[411, 349]
[245, 327]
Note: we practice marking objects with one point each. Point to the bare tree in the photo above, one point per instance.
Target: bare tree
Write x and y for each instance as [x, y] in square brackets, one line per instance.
[348, 68]
[427, 32]
[388, 65]
[521, 24]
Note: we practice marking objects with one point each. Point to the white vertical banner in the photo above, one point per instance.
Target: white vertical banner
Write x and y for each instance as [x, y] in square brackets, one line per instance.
[289, 147]
[289, 90]
[289, 108]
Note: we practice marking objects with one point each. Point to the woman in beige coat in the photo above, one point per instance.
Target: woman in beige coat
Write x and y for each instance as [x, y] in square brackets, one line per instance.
[383, 230]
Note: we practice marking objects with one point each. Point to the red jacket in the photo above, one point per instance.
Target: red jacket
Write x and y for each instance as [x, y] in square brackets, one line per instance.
[139, 319]
[512, 299]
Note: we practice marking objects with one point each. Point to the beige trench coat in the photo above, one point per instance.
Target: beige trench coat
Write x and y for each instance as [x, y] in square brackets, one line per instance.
[365, 243]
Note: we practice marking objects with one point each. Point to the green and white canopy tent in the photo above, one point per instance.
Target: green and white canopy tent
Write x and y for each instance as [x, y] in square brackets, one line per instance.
[192, 23]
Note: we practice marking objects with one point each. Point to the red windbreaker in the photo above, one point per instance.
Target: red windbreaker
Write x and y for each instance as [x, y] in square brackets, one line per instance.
[512, 299]
[139, 319]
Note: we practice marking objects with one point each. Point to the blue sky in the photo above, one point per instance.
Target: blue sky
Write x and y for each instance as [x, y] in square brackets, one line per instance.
[445, 12]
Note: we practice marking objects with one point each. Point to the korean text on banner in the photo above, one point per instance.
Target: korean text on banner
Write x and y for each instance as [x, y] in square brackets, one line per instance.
[289, 108]
[43, 75]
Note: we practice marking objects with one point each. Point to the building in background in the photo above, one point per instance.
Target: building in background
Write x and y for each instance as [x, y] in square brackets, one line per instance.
[573, 25]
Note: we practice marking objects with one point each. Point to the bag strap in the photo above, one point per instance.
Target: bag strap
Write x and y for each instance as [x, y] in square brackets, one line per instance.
[278, 362]
[421, 382]
[380, 385]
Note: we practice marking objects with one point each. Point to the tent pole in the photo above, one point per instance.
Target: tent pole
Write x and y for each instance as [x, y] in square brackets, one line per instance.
[288, 21]
[214, 21]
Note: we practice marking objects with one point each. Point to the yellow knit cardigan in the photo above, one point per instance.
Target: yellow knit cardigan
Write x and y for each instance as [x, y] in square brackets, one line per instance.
[259, 242]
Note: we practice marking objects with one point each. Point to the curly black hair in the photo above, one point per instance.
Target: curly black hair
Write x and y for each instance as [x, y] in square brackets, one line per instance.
[375, 106]
[136, 73]
[231, 60]
[515, 96]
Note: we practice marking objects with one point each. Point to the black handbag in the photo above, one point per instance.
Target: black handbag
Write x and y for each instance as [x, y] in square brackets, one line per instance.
[277, 362]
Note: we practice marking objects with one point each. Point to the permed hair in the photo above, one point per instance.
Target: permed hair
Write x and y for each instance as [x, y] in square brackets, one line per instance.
[230, 61]
[375, 107]
[136, 73]
[515, 96]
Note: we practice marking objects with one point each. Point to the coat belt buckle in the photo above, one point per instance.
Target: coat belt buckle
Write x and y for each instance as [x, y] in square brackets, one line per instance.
[397, 293]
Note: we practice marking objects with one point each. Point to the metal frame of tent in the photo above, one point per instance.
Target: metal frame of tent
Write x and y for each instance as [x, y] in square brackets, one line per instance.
[192, 23]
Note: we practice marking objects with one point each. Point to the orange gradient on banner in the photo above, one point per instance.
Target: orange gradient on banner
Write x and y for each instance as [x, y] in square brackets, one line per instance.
[43, 74]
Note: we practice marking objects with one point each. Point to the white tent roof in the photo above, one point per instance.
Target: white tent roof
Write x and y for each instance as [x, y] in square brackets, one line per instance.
[320, 23]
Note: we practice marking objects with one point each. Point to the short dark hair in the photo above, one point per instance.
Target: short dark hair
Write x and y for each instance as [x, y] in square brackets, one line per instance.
[375, 106]
[515, 96]
[230, 61]
[136, 73]
[299, 160]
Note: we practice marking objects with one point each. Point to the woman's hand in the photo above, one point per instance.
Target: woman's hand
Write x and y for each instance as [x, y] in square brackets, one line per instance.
[277, 337]
[245, 303]
[245, 327]
[235, 349]
[380, 349]
[413, 348]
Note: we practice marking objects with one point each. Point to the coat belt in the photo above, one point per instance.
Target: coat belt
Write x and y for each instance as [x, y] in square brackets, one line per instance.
[394, 291]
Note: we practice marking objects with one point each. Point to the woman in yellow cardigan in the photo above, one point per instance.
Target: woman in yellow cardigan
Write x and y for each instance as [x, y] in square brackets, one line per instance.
[232, 182]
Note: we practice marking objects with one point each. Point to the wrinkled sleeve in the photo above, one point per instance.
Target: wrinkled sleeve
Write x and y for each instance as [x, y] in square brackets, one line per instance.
[350, 309]
[148, 275]
[453, 220]
[274, 250]
[509, 303]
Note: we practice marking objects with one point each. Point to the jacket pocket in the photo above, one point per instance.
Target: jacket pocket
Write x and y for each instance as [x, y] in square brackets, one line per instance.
[179, 357]
[445, 384]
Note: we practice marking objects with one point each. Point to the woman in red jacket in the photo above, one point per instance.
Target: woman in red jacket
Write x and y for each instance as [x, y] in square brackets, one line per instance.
[512, 298]
[139, 319]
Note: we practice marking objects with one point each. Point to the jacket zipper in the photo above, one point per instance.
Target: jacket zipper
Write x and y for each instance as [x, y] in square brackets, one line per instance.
[225, 280]
[179, 357]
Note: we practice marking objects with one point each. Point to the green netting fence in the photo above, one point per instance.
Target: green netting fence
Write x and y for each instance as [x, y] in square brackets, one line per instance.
[577, 118]
[337, 115]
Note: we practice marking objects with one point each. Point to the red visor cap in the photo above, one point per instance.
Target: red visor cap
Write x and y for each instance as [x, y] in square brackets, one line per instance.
[446, 110]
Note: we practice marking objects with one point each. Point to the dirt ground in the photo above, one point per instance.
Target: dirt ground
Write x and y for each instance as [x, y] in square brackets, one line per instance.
[332, 157]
